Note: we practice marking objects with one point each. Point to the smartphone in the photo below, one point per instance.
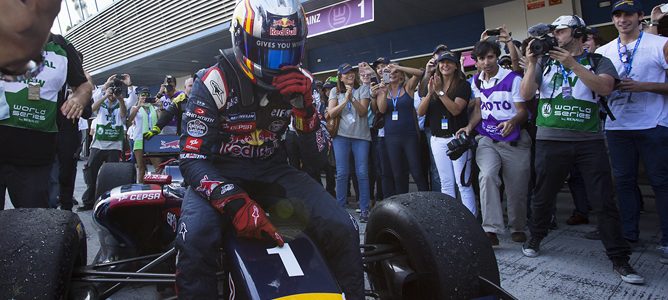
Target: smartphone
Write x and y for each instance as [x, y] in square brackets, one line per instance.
[664, 8]
[374, 80]
[386, 77]
[491, 32]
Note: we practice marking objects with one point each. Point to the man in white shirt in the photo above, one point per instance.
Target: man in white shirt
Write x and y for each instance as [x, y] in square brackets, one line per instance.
[640, 105]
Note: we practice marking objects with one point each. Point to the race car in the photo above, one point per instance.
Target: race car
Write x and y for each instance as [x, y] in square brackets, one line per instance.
[421, 245]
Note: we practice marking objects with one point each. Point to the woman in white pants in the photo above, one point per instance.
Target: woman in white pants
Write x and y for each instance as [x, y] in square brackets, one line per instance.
[445, 108]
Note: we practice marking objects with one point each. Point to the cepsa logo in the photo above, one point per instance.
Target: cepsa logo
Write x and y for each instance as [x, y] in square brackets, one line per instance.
[283, 27]
[140, 196]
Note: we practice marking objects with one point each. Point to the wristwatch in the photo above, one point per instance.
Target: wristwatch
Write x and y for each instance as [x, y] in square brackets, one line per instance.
[441, 93]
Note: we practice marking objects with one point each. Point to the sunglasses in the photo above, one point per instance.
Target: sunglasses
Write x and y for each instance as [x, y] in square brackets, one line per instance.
[144, 94]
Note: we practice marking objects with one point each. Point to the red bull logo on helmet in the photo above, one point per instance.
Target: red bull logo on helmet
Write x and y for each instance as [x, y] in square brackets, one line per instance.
[283, 27]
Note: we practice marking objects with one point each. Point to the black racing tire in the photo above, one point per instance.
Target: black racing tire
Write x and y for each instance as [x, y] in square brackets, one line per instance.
[443, 243]
[112, 175]
[39, 249]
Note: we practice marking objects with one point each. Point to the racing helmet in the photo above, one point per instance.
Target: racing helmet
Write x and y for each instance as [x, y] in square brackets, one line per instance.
[267, 35]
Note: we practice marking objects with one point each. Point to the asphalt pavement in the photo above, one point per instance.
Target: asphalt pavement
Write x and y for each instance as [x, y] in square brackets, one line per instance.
[569, 267]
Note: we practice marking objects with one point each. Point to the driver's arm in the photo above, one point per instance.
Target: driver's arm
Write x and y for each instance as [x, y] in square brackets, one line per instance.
[165, 116]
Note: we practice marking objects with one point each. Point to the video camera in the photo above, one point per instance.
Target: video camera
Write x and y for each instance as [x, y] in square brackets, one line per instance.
[119, 88]
[543, 41]
[457, 146]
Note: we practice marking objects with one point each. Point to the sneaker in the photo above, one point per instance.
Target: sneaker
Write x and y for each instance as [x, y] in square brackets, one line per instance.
[364, 217]
[531, 247]
[357, 210]
[627, 273]
[664, 255]
[518, 237]
[492, 238]
[593, 235]
[576, 219]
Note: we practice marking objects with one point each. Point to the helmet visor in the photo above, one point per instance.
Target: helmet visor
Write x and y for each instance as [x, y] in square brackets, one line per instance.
[273, 54]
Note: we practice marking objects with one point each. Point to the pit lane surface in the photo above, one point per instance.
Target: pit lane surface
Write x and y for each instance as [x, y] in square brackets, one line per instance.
[570, 266]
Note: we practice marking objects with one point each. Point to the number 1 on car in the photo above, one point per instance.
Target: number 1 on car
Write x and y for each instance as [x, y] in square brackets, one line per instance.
[289, 260]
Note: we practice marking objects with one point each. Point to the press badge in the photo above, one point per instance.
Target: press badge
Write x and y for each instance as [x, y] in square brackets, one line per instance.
[350, 118]
[566, 92]
[395, 115]
[444, 124]
[33, 91]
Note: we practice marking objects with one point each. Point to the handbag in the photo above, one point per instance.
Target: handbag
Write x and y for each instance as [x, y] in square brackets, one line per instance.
[332, 124]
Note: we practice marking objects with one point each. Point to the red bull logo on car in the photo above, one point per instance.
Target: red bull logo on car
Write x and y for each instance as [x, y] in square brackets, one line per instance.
[169, 145]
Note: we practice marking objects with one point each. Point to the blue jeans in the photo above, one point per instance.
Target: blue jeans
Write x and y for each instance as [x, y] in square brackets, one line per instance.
[626, 148]
[402, 149]
[360, 149]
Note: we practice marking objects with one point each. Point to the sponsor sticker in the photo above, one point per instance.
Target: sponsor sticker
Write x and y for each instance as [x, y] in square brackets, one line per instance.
[169, 145]
[197, 128]
[193, 144]
[283, 27]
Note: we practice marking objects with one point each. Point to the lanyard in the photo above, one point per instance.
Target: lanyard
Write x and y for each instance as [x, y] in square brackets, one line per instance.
[567, 74]
[628, 65]
[395, 99]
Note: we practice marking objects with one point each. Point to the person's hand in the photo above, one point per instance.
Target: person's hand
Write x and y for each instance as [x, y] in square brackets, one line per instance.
[293, 84]
[374, 89]
[504, 36]
[523, 62]
[248, 218]
[437, 83]
[109, 81]
[564, 57]
[153, 132]
[364, 66]
[630, 85]
[656, 15]
[72, 108]
[465, 130]
[430, 67]
[506, 128]
[531, 58]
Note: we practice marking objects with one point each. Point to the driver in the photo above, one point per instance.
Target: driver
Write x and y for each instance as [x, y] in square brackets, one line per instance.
[235, 115]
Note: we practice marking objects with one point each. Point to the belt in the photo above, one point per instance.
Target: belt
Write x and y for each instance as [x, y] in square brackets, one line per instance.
[513, 143]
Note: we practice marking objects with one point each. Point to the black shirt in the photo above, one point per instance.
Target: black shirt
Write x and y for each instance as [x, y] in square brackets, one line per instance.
[437, 112]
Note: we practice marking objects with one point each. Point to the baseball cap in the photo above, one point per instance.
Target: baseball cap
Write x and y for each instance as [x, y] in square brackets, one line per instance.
[170, 79]
[380, 60]
[439, 48]
[330, 82]
[143, 90]
[629, 6]
[344, 68]
[568, 21]
[447, 55]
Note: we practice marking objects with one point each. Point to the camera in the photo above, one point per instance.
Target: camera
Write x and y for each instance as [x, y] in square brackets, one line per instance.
[491, 32]
[543, 44]
[457, 146]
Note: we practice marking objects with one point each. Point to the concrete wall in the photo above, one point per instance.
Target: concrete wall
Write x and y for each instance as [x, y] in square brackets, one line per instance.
[518, 19]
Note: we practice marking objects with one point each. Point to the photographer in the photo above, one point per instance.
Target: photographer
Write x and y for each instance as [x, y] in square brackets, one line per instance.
[569, 134]
[445, 108]
[145, 116]
[170, 118]
[503, 145]
[108, 139]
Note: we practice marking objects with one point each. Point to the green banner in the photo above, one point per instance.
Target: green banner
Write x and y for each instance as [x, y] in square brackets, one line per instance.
[109, 133]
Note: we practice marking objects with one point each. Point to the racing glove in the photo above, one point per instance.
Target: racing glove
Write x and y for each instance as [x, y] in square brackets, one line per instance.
[248, 218]
[293, 83]
[154, 131]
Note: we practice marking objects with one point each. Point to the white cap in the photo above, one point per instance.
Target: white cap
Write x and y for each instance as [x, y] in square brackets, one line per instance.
[568, 21]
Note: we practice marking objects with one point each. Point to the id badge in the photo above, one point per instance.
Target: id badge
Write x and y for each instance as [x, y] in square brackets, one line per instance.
[566, 92]
[33, 91]
[350, 118]
[444, 124]
[395, 115]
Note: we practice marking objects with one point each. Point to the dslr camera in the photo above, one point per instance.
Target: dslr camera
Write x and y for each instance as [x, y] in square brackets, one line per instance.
[543, 44]
[118, 87]
[458, 146]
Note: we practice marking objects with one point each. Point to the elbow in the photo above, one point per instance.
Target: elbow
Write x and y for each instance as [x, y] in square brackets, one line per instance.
[605, 91]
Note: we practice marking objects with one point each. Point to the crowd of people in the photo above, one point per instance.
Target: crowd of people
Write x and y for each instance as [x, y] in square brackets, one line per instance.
[559, 106]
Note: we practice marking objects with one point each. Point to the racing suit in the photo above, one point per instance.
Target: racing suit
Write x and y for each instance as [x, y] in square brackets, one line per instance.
[226, 140]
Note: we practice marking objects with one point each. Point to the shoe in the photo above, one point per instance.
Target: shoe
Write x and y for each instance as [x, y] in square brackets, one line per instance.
[85, 207]
[364, 217]
[357, 210]
[492, 238]
[576, 219]
[593, 235]
[531, 247]
[664, 255]
[518, 237]
[627, 273]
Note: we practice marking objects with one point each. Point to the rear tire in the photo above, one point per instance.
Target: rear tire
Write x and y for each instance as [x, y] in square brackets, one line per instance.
[112, 175]
[38, 251]
[443, 243]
